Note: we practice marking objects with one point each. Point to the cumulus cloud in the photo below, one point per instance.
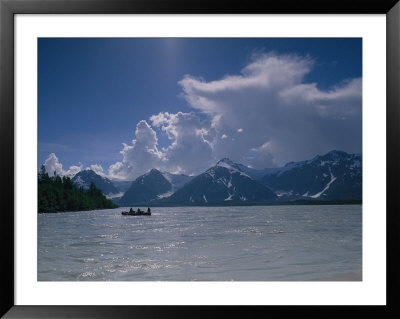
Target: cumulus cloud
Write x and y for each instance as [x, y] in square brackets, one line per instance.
[191, 146]
[140, 156]
[271, 116]
[98, 169]
[264, 116]
[52, 165]
[190, 149]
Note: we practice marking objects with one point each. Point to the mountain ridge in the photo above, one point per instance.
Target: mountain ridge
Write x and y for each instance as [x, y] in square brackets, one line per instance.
[220, 184]
[335, 175]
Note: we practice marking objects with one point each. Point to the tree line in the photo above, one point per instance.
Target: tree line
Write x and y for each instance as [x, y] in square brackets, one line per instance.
[58, 194]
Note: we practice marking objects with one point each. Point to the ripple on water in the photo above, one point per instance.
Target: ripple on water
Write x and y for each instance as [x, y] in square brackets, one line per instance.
[207, 243]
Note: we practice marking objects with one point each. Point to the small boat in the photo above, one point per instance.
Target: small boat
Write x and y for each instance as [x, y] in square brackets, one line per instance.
[141, 213]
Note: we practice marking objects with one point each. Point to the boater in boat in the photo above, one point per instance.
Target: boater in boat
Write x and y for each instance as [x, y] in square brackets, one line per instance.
[138, 212]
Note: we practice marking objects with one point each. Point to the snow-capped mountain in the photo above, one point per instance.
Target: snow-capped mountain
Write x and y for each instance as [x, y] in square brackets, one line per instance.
[147, 188]
[224, 183]
[85, 177]
[336, 175]
[333, 176]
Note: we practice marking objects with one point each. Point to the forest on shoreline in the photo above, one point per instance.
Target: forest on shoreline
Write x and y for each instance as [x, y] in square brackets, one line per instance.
[58, 194]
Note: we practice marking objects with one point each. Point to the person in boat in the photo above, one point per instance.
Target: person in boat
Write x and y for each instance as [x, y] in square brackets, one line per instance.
[148, 210]
[139, 211]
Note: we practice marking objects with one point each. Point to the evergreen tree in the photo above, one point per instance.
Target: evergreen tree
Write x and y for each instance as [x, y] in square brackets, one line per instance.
[56, 194]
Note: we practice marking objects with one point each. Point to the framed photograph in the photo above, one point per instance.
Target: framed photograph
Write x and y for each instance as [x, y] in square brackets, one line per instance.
[165, 154]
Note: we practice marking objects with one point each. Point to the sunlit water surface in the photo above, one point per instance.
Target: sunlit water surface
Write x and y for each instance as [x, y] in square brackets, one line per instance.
[258, 243]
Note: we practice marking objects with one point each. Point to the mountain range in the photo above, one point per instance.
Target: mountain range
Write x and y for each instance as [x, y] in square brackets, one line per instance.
[336, 175]
[333, 176]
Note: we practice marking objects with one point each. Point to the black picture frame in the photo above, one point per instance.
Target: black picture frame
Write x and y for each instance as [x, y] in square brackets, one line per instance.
[8, 8]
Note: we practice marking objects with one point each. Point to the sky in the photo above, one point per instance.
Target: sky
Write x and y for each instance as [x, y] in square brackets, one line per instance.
[122, 106]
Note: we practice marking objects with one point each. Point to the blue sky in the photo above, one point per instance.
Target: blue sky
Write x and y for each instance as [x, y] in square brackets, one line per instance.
[259, 101]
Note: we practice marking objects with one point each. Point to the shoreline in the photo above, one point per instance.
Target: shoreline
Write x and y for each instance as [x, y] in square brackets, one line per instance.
[283, 203]
[330, 203]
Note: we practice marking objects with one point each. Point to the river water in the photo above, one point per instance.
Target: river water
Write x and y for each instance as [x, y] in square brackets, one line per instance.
[256, 243]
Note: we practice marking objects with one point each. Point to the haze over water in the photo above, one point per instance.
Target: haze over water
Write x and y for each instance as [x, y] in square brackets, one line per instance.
[254, 243]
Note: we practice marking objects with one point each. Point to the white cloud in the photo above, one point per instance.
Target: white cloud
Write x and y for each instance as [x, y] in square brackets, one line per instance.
[98, 169]
[192, 141]
[73, 170]
[119, 171]
[190, 149]
[272, 105]
[265, 116]
[52, 165]
[139, 157]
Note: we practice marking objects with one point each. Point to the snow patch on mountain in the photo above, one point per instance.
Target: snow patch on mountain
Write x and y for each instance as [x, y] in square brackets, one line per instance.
[281, 193]
[333, 178]
[228, 184]
[211, 172]
[232, 167]
[229, 197]
[111, 195]
[80, 182]
[167, 194]
[356, 164]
